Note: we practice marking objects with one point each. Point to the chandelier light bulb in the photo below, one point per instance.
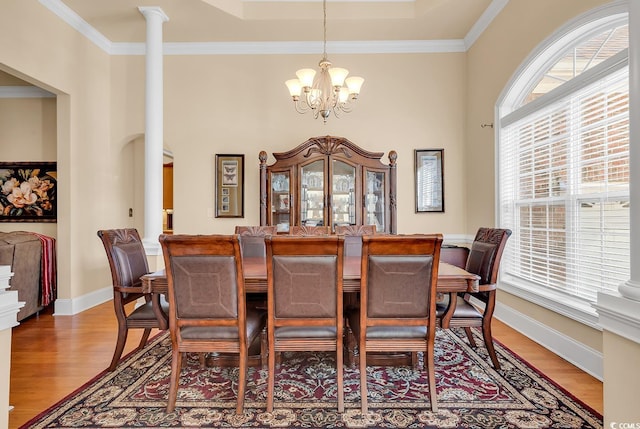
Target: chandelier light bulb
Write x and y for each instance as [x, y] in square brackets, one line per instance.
[325, 92]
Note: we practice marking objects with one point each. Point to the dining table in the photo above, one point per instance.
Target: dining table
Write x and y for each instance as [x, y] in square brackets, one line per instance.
[451, 280]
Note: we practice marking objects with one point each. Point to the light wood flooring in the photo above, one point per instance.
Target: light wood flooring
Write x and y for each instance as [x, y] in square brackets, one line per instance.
[54, 355]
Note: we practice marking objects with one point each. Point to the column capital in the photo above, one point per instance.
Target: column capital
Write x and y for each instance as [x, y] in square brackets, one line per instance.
[150, 11]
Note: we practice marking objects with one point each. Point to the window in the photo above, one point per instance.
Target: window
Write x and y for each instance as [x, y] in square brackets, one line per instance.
[563, 169]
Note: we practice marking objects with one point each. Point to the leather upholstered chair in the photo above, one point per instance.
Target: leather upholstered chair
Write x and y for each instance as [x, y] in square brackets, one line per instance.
[397, 301]
[128, 262]
[207, 270]
[352, 249]
[304, 279]
[304, 230]
[483, 260]
[252, 246]
[252, 240]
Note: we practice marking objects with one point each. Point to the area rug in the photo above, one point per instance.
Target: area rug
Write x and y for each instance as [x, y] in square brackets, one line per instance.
[471, 394]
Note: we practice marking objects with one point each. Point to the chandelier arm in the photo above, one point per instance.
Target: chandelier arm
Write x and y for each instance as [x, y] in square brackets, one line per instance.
[318, 93]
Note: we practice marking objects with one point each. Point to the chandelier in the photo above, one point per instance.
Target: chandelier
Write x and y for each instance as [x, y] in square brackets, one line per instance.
[331, 91]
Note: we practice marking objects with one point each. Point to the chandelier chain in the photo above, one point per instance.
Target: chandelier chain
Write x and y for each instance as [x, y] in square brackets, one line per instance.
[324, 26]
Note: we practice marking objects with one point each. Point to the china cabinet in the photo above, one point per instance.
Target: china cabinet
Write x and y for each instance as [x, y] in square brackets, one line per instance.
[328, 181]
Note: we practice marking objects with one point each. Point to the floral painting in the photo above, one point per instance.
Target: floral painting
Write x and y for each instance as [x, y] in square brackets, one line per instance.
[28, 192]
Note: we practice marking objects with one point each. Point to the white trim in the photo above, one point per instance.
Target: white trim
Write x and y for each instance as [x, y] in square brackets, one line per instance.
[483, 23]
[9, 307]
[300, 48]
[541, 58]
[69, 307]
[607, 67]
[75, 21]
[274, 48]
[619, 315]
[23, 91]
[587, 359]
[458, 239]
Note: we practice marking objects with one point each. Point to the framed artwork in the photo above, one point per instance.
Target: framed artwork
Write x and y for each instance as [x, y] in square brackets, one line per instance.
[229, 186]
[28, 192]
[429, 174]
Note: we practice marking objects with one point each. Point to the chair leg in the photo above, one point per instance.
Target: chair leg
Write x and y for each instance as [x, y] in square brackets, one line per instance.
[271, 377]
[122, 339]
[264, 348]
[414, 360]
[363, 377]
[470, 336]
[488, 342]
[339, 371]
[144, 338]
[429, 362]
[242, 380]
[176, 366]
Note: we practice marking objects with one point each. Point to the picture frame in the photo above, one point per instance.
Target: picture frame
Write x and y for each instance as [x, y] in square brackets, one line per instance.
[28, 192]
[429, 180]
[229, 185]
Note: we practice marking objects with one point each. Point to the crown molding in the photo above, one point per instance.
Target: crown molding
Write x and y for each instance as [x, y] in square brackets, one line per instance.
[483, 23]
[24, 92]
[275, 48]
[75, 21]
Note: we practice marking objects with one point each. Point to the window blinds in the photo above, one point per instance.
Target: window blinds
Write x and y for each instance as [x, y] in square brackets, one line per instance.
[564, 187]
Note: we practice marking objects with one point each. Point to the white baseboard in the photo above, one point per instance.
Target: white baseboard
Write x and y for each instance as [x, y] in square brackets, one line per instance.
[69, 307]
[587, 359]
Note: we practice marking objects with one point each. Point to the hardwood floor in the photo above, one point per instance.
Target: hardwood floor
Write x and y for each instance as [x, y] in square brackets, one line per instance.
[53, 356]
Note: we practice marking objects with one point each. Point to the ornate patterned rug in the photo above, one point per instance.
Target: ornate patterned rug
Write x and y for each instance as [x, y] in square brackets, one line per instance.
[471, 394]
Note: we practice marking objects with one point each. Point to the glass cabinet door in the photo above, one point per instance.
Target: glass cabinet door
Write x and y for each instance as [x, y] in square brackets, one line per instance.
[374, 200]
[343, 207]
[280, 200]
[312, 193]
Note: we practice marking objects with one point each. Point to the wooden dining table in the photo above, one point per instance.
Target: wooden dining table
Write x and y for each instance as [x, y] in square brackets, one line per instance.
[451, 280]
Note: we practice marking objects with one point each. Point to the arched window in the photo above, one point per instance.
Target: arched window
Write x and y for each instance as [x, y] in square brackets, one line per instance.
[563, 166]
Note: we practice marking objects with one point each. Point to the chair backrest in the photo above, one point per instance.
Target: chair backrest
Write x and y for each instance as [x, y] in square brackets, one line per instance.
[252, 240]
[206, 284]
[486, 253]
[127, 257]
[399, 278]
[304, 230]
[304, 278]
[353, 237]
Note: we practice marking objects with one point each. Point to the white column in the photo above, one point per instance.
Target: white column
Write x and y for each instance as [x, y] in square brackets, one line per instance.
[631, 288]
[153, 142]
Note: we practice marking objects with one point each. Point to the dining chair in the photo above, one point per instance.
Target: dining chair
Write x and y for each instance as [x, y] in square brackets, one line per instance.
[207, 303]
[352, 249]
[252, 240]
[128, 262]
[305, 230]
[304, 284]
[397, 301]
[483, 260]
[353, 237]
[252, 246]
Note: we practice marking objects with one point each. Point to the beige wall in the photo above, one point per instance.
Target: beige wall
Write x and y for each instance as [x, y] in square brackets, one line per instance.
[27, 133]
[239, 104]
[41, 49]
[491, 62]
